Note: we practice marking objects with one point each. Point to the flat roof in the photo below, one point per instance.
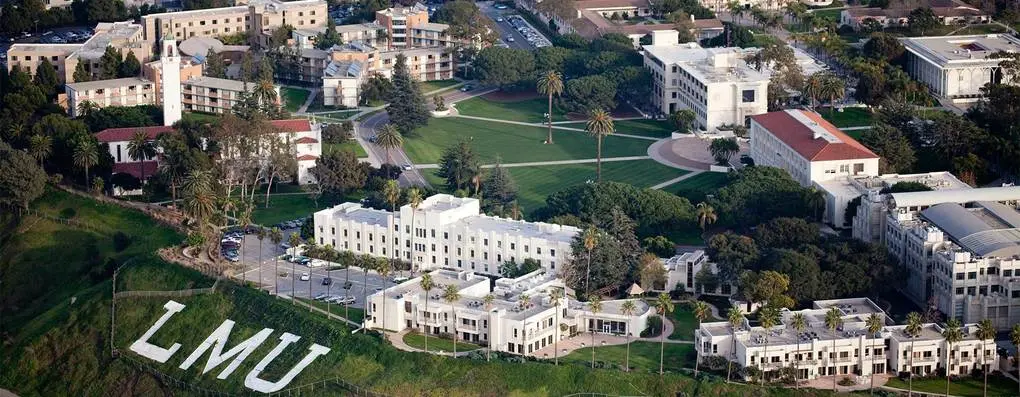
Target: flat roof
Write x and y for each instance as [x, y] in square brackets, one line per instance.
[112, 83]
[964, 195]
[596, 4]
[357, 213]
[358, 27]
[548, 231]
[725, 64]
[987, 229]
[218, 83]
[946, 50]
[33, 47]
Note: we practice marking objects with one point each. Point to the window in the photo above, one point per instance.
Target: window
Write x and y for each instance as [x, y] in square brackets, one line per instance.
[971, 275]
[959, 276]
[552, 252]
[747, 96]
[1007, 273]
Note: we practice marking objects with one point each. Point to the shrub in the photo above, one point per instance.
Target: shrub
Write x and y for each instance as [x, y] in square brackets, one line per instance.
[194, 239]
[121, 241]
[67, 213]
[654, 327]
[659, 245]
[846, 381]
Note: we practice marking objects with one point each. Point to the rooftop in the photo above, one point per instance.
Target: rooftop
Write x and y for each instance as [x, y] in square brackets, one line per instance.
[357, 213]
[103, 84]
[708, 65]
[433, 26]
[404, 11]
[811, 136]
[959, 196]
[343, 69]
[988, 229]
[107, 34]
[218, 83]
[596, 4]
[28, 47]
[125, 134]
[358, 27]
[200, 46]
[946, 50]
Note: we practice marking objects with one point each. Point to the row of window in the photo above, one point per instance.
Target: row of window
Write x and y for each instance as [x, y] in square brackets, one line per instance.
[423, 233]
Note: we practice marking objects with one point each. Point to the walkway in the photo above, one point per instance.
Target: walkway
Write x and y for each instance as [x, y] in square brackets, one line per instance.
[555, 127]
[555, 162]
[308, 102]
[583, 340]
[675, 180]
[397, 339]
[825, 383]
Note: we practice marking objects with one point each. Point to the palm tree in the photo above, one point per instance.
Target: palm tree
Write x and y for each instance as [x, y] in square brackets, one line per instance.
[736, 10]
[260, 233]
[40, 147]
[139, 149]
[384, 271]
[768, 317]
[427, 285]
[556, 295]
[487, 302]
[590, 238]
[1014, 336]
[85, 155]
[86, 108]
[245, 220]
[873, 324]
[294, 241]
[276, 236]
[833, 88]
[172, 168]
[706, 215]
[952, 334]
[799, 323]
[199, 202]
[701, 312]
[627, 309]
[550, 83]
[913, 330]
[683, 120]
[833, 321]
[813, 88]
[265, 93]
[414, 198]
[985, 332]
[736, 318]
[595, 305]
[391, 191]
[663, 306]
[389, 138]
[600, 125]
[451, 295]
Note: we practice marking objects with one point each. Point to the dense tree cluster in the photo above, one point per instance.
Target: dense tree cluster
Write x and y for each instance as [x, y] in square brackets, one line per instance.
[466, 21]
[757, 194]
[652, 210]
[32, 16]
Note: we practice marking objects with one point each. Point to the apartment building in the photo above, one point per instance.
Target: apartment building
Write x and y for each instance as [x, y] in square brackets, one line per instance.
[215, 95]
[948, 12]
[124, 36]
[682, 275]
[956, 68]
[960, 250]
[716, 83]
[257, 15]
[444, 232]
[409, 27]
[345, 67]
[153, 71]
[850, 350]
[131, 91]
[522, 319]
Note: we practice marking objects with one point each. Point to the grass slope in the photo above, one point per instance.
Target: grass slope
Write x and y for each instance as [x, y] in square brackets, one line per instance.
[528, 110]
[998, 386]
[644, 356]
[684, 322]
[513, 143]
[437, 344]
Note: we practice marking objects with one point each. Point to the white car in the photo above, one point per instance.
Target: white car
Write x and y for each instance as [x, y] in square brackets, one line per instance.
[499, 19]
[304, 277]
[406, 167]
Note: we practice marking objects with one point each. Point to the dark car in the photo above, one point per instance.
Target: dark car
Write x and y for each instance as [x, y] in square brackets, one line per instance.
[347, 285]
[327, 281]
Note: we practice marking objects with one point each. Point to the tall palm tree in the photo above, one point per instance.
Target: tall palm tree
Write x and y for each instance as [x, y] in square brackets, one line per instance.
[86, 108]
[427, 285]
[265, 93]
[701, 313]
[600, 125]
[40, 147]
[833, 321]
[663, 306]
[1014, 336]
[913, 330]
[736, 318]
[799, 323]
[199, 202]
[683, 120]
[389, 138]
[245, 220]
[556, 295]
[873, 324]
[276, 236]
[627, 309]
[140, 148]
[985, 332]
[768, 317]
[595, 305]
[590, 237]
[391, 191]
[260, 233]
[383, 268]
[414, 198]
[294, 241]
[550, 83]
[706, 215]
[952, 334]
[813, 88]
[451, 295]
[172, 169]
[85, 155]
[833, 88]
[487, 302]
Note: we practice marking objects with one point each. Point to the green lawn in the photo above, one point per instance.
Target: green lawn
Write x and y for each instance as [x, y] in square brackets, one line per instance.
[684, 322]
[849, 117]
[831, 14]
[349, 145]
[417, 341]
[202, 117]
[429, 86]
[514, 143]
[649, 128]
[644, 356]
[528, 110]
[283, 208]
[969, 386]
[351, 313]
[703, 183]
[293, 98]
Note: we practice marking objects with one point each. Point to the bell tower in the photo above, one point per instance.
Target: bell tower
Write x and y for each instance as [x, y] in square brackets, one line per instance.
[170, 63]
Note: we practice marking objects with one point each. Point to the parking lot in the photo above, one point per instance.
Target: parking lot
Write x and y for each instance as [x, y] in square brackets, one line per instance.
[514, 30]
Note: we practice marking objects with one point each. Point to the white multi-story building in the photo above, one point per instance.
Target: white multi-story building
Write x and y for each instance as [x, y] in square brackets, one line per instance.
[131, 91]
[960, 250]
[522, 318]
[444, 232]
[869, 217]
[716, 83]
[126, 37]
[682, 274]
[259, 16]
[957, 67]
[851, 350]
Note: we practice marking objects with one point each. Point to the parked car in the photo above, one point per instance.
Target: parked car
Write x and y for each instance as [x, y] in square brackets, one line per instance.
[400, 279]
[406, 167]
[327, 281]
[321, 296]
[347, 285]
[305, 277]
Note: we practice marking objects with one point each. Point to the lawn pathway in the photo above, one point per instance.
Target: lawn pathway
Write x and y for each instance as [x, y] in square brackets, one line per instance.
[675, 180]
[546, 126]
[554, 162]
[308, 102]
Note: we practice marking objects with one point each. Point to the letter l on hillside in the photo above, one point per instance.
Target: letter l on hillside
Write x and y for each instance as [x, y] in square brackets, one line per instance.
[151, 351]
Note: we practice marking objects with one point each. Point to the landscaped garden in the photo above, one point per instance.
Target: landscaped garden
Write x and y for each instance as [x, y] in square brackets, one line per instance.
[684, 323]
[644, 356]
[293, 98]
[436, 344]
[538, 182]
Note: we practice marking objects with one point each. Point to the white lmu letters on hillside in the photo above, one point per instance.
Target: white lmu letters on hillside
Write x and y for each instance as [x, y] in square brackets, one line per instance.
[217, 340]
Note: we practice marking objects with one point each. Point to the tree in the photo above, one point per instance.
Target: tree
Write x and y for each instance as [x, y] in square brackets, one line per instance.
[798, 322]
[952, 334]
[550, 83]
[652, 272]
[1014, 337]
[627, 309]
[408, 109]
[339, 172]
[21, 180]
[214, 65]
[427, 285]
[265, 94]
[701, 313]
[294, 241]
[86, 109]
[590, 239]
[40, 147]
[833, 88]
[276, 236]
[584, 94]
[736, 320]
[768, 316]
[683, 23]
[595, 305]
[140, 149]
[451, 295]
[109, 64]
[723, 149]
[684, 120]
[389, 138]
[663, 306]
[487, 303]
[897, 154]
[706, 215]
[985, 332]
[556, 294]
[46, 78]
[459, 166]
[85, 155]
[600, 125]
[913, 330]
[329, 37]
[248, 67]
[80, 74]
[767, 286]
[130, 67]
[504, 67]
[922, 19]
[466, 21]
[833, 321]
[732, 253]
[499, 187]
[882, 46]
[874, 324]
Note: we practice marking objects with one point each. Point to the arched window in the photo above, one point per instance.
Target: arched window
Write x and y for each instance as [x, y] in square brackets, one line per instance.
[169, 50]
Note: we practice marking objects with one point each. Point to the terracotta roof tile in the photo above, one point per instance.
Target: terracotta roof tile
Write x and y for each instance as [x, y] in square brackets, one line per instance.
[307, 139]
[799, 136]
[293, 125]
[304, 157]
[125, 134]
[134, 169]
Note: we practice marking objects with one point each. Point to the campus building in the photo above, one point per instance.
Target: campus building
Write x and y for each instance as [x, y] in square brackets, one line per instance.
[870, 216]
[716, 83]
[124, 36]
[850, 351]
[259, 16]
[948, 12]
[409, 27]
[522, 318]
[347, 66]
[682, 273]
[131, 91]
[957, 67]
[447, 232]
[215, 95]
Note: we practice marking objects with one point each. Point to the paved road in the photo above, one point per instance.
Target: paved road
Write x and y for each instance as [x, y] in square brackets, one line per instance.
[505, 29]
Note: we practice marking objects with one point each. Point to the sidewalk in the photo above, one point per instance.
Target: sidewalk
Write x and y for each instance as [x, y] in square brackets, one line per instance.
[553, 162]
[397, 339]
[554, 126]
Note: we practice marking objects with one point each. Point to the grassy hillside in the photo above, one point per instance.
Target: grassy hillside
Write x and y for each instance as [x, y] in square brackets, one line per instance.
[56, 335]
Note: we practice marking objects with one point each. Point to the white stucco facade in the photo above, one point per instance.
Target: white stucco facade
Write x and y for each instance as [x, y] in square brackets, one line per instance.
[957, 67]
